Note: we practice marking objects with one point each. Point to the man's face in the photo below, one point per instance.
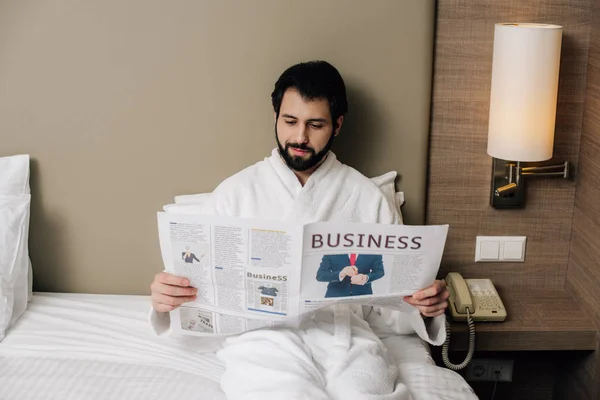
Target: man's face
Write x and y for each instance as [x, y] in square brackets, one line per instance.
[304, 130]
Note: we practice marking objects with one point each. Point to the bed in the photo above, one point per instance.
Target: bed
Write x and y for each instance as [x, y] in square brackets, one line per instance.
[80, 346]
[135, 109]
[87, 346]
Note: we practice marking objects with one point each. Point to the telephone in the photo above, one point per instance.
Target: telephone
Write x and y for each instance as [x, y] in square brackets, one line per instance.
[470, 300]
[478, 295]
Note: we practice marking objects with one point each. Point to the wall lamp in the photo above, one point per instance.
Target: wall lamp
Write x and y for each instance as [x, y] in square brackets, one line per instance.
[522, 115]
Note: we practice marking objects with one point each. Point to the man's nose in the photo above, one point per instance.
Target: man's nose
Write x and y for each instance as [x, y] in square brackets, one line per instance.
[301, 134]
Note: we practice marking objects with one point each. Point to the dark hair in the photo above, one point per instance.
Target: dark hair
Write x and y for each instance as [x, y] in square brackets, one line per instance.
[314, 80]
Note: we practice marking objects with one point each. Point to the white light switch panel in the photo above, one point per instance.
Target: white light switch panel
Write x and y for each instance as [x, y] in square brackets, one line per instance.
[500, 249]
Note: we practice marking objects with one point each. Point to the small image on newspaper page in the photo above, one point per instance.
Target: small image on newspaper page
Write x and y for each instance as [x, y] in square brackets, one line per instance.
[369, 264]
[195, 320]
[247, 272]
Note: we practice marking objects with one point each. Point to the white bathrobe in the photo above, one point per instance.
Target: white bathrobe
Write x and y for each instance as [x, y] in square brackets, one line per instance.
[337, 354]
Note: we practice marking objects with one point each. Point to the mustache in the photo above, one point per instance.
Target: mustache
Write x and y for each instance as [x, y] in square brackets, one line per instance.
[299, 146]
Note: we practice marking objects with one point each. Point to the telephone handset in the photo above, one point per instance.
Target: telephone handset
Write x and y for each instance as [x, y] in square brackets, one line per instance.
[478, 295]
[470, 300]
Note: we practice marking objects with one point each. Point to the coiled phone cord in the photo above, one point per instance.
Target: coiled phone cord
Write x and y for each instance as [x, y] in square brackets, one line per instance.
[470, 352]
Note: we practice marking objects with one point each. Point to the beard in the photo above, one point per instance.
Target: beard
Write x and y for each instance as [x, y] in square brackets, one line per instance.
[299, 163]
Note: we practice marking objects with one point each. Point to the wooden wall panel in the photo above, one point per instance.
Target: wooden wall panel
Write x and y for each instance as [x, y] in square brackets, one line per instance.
[562, 218]
[583, 274]
[459, 170]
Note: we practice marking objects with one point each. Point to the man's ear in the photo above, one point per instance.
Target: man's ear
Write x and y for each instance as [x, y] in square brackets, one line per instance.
[340, 122]
[275, 116]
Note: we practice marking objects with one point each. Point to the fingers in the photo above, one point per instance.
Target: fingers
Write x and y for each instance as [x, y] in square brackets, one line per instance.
[433, 311]
[170, 290]
[354, 269]
[431, 301]
[428, 301]
[169, 279]
[359, 279]
[164, 303]
[430, 291]
[170, 300]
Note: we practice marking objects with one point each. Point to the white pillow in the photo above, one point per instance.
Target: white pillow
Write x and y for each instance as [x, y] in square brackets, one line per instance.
[14, 258]
[16, 275]
[200, 203]
[203, 208]
[14, 175]
[199, 198]
[388, 188]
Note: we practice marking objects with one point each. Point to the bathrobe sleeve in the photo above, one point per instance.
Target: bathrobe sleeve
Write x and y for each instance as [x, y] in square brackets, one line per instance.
[386, 322]
[160, 322]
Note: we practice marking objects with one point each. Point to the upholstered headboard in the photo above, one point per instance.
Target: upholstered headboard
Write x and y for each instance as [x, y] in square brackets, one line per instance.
[123, 105]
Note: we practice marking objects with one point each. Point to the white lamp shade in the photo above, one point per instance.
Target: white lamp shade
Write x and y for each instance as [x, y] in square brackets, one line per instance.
[524, 91]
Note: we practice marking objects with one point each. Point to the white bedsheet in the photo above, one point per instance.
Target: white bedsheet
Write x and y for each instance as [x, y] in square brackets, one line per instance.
[78, 346]
[73, 346]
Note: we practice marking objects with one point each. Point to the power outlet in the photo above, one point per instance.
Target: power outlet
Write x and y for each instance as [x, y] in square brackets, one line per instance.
[482, 369]
[502, 369]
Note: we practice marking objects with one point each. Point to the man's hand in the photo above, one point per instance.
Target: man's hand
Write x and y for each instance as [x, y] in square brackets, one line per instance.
[170, 291]
[431, 301]
[359, 279]
[350, 270]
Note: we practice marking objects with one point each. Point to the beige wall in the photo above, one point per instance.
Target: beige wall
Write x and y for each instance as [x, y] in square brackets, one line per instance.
[125, 104]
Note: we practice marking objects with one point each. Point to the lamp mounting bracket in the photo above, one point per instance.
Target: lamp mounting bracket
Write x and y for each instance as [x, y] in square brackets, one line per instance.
[508, 181]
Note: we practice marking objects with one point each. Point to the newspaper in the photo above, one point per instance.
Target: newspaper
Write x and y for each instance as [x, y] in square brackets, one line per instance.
[253, 274]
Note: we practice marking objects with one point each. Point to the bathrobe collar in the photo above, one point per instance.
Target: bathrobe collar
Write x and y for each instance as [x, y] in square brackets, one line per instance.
[289, 178]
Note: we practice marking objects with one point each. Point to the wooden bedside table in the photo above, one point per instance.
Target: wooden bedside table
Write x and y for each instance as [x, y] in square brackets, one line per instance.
[546, 333]
[537, 320]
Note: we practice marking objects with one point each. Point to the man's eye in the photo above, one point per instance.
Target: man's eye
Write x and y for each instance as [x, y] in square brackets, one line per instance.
[290, 122]
[315, 126]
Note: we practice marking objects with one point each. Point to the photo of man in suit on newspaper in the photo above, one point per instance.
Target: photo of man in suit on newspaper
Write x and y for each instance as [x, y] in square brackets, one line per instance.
[350, 274]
